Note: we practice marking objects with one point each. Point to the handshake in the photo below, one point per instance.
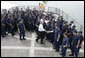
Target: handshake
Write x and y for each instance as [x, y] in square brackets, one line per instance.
[49, 31]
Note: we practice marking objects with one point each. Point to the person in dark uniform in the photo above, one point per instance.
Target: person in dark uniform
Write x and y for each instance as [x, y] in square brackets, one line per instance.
[69, 31]
[63, 30]
[61, 21]
[12, 26]
[75, 44]
[29, 23]
[64, 45]
[49, 33]
[3, 27]
[74, 28]
[81, 39]
[47, 28]
[37, 25]
[56, 38]
[21, 30]
[15, 22]
[8, 24]
[32, 21]
[26, 21]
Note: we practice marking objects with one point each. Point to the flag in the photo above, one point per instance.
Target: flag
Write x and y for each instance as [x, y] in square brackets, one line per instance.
[41, 5]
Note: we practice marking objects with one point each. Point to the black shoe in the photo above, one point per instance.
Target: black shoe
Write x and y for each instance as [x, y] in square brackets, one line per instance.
[24, 39]
[57, 50]
[61, 54]
[6, 34]
[21, 39]
[71, 55]
[3, 36]
[76, 56]
[42, 43]
[36, 40]
[13, 35]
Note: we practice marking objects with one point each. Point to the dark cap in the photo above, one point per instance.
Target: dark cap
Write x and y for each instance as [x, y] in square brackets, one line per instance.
[80, 32]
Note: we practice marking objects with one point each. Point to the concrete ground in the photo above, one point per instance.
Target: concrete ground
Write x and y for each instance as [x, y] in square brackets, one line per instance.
[14, 47]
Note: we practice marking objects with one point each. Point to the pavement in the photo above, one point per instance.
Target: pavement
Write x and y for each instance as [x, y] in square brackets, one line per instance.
[14, 47]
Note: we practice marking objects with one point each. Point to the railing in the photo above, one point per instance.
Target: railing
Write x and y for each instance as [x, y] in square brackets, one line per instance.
[57, 11]
[68, 18]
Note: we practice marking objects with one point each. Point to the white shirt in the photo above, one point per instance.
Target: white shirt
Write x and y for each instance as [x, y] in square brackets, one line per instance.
[46, 21]
[72, 25]
[41, 28]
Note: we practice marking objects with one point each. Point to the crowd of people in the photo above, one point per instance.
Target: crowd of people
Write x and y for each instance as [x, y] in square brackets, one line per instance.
[58, 32]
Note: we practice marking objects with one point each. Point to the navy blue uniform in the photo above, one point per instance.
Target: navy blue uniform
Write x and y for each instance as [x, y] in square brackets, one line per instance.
[69, 31]
[8, 25]
[81, 39]
[22, 31]
[47, 28]
[3, 27]
[12, 25]
[56, 43]
[37, 23]
[64, 42]
[30, 23]
[74, 44]
[26, 22]
[63, 30]
[15, 23]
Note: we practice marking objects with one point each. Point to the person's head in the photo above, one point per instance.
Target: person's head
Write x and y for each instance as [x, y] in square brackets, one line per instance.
[21, 21]
[11, 17]
[38, 18]
[74, 32]
[8, 17]
[21, 9]
[64, 24]
[69, 25]
[80, 32]
[2, 18]
[71, 22]
[56, 26]
[74, 27]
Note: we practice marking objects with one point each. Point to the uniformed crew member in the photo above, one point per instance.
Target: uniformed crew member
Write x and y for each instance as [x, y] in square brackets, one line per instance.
[37, 25]
[63, 30]
[56, 38]
[12, 26]
[21, 30]
[64, 45]
[81, 39]
[69, 31]
[3, 27]
[75, 44]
